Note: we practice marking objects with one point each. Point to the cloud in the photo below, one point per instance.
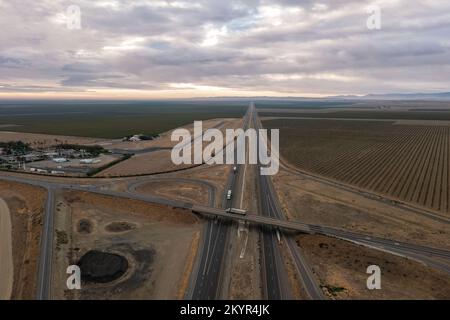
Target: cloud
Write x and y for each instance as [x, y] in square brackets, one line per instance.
[290, 47]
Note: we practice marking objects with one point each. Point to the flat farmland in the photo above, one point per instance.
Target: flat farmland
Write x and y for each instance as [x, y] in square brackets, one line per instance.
[359, 114]
[109, 120]
[405, 162]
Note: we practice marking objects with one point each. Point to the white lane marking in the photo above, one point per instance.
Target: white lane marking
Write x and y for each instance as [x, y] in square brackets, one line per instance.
[243, 186]
[207, 251]
[244, 247]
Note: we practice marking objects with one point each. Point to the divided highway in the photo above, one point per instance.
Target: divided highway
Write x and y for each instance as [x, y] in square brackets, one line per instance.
[430, 256]
[275, 282]
[208, 275]
[210, 270]
[270, 207]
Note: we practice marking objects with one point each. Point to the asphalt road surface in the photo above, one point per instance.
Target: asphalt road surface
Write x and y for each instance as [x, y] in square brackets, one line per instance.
[277, 286]
[207, 279]
[45, 262]
[210, 271]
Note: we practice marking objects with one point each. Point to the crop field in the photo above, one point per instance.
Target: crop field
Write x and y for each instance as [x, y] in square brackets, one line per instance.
[303, 105]
[406, 162]
[110, 120]
[416, 114]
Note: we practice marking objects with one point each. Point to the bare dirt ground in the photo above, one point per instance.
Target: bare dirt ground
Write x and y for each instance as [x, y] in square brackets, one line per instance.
[313, 202]
[160, 244]
[6, 255]
[147, 163]
[215, 174]
[341, 267]
[187, 192]
[25, 205]
[293, 276]
[44, 140]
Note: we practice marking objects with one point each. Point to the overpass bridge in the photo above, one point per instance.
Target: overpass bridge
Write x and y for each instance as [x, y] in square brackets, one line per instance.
[418, 252]
[424, 254]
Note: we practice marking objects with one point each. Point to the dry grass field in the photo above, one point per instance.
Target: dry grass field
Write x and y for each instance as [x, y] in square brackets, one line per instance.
[340, 268]
[309, 201]
[25, 204]
[181, 191]
[406, 162]
[160, 161]
[159, 243]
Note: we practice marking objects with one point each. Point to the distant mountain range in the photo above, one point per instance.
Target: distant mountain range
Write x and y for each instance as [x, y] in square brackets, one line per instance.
[438, 96]
[402, 96]
[442, 96]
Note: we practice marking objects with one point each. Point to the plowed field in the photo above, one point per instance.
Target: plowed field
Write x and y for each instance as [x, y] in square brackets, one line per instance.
[410, 163]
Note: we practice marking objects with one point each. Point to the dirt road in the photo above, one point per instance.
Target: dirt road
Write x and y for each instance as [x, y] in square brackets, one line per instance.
[6, 259]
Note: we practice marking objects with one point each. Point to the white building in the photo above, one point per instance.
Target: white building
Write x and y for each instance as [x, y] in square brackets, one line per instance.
[135, 138]
[59, 160]
[51, 154]
[89, 161]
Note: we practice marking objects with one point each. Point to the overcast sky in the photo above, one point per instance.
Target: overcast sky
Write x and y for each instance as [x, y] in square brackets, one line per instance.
[156, 48]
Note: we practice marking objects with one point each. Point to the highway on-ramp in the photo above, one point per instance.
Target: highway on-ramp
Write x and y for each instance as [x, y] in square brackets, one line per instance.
[207, 278]
[45, 262]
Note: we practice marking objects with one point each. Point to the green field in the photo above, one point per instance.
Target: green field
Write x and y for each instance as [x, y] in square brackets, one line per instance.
[305, 105]
[110, 120]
